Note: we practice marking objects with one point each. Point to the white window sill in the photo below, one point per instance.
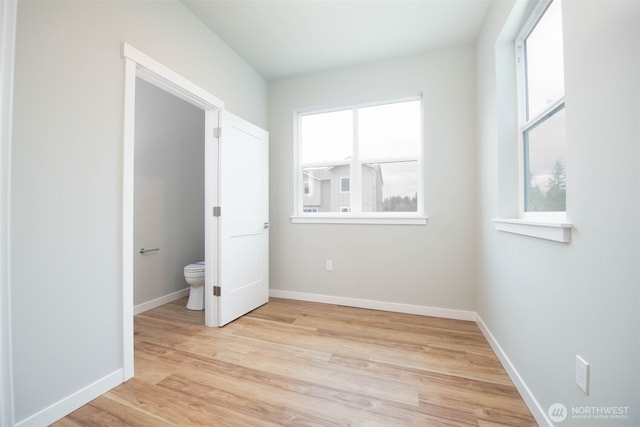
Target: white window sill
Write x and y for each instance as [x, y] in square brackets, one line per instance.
[558, 231]
[381, 220]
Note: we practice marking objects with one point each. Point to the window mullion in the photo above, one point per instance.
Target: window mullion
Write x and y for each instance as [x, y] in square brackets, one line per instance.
[384, 160]
[540, 118]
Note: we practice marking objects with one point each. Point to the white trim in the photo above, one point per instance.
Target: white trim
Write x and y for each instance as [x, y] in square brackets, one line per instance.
[534, 15]
[72, 402]
[422, 310]
[211, 229]
[157, 302]
[307, 111]
[529, 399]
[172, 82]
[378, 220]
[543, 217]
[137, 64]
[127, 217]
[8, 14]
[556, 231]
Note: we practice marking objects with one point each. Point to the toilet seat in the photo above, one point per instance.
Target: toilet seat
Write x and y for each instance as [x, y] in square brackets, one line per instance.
[194, 269]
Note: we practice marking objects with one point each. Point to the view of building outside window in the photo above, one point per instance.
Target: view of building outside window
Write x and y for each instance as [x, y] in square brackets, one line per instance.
[380, 144]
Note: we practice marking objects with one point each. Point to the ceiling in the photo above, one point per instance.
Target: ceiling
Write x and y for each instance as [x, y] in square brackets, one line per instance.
[288, 38]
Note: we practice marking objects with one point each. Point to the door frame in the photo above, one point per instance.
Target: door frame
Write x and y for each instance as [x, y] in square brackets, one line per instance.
[137, 64]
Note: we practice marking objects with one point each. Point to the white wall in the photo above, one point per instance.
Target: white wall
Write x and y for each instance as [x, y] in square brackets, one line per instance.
[67, 176]
[169, 191]
[543, 301]
[432, 265]
[7, 45]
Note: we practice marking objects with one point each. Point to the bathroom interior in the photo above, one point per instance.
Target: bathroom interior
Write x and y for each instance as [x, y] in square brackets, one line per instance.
[168, 200]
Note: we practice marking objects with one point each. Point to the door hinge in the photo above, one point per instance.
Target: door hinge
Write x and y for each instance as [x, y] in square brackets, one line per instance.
[217, 291]
[217, 132]
[217, 211]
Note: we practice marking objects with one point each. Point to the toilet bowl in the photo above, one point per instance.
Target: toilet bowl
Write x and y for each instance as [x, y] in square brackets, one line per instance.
[194, 276]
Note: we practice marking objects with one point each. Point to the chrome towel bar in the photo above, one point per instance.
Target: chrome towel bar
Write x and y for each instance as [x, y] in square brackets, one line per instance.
[144, 251]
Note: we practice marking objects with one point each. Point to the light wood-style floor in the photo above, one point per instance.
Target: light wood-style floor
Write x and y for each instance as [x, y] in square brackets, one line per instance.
[293, 363]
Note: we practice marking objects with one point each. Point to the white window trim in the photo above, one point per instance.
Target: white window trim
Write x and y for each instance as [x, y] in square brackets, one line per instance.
[338, 218]
[558, 231]
[544, 225]
[380, 218]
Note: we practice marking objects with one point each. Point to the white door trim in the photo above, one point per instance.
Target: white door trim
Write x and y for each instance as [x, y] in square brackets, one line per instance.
[8, 14]
[137, 64]
[211, 185]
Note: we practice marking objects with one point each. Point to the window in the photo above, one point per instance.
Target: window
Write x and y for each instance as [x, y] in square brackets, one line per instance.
[542, 114]
[365, 161]
[307, 185]
[345, 183]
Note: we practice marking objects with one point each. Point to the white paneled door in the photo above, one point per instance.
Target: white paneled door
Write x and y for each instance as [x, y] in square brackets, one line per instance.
[243, 221]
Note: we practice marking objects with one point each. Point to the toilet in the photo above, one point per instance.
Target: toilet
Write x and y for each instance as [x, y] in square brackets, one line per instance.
[194, 276]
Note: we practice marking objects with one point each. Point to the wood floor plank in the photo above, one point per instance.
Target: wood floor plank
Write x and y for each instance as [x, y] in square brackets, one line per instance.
[296, 363]
[272, 397]
[178, 408]
[107, 412]
[277, 358]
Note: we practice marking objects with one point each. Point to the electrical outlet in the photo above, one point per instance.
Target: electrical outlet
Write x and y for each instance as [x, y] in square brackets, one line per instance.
[329, 265]
[582, 374]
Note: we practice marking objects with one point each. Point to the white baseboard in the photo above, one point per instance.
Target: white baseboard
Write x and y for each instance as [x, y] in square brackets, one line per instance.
[529, 399]
[376, 305]
[141, 308]
[72, 402]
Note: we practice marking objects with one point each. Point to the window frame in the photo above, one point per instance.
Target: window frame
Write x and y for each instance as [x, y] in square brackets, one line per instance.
[355, 177]
[525, 123]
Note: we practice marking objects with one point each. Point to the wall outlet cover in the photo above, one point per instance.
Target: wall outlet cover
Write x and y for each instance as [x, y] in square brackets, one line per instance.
[582, 374]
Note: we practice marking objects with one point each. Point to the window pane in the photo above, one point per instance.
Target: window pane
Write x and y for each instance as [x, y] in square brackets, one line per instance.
[390, 187]
[391, 130]
[545, 154]
[345, 184]
[545, 63]
[322, 189]
[326, 137]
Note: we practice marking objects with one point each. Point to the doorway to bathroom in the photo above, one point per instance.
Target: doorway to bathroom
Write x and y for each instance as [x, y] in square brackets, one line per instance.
[235, 209]
[168, 223]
